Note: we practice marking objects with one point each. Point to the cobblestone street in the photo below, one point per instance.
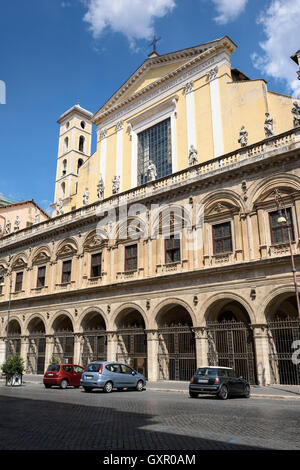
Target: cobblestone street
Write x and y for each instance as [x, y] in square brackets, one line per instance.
[33, 418]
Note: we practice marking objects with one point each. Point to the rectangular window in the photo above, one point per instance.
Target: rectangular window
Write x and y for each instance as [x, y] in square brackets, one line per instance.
[131, 258]
[41, 276]
[96, 265]
[279, 231]
[19, 281]
[172, 249]
[222, 241]
[66, 271]
[1, 284]
[154, 144]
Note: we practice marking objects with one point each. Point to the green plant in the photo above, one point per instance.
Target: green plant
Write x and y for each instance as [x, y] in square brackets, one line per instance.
[54, 360]
[14, 365]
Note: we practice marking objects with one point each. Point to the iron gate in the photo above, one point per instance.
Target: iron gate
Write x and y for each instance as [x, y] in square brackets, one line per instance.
[231, 344]
[94, 347]
[36, 354]
[64, 347]
[132, 348]
[281, 335]
[176, 353]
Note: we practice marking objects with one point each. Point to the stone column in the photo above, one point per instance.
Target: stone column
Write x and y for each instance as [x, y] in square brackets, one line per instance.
[2, 350]
[77, 348]
[264, 373]
[48, 349]
[152, 356]
[201, 347]
[24, 349]
[238, 238]
[262, 233]
[112, 346]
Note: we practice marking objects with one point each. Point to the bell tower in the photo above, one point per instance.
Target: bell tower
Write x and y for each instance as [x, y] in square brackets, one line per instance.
[74, 148]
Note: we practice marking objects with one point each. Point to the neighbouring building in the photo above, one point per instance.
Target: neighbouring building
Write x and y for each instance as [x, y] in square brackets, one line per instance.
[15, 216]
[168, 247]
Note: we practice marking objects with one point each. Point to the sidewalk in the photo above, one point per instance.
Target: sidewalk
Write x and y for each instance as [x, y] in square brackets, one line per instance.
[269, 391]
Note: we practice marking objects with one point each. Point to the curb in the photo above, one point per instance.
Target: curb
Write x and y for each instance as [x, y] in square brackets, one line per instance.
[167, 390]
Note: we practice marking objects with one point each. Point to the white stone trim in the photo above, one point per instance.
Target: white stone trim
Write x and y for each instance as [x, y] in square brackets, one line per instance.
[190, 115]
[103, 147]
[119, 154]
[216, 117]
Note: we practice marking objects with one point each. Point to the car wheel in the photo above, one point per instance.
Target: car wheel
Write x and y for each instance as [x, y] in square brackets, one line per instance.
[63, 384]
[223, 393]
[193, 394]
[247, 391]
[87, 389]
[108, 387]
[139, 386]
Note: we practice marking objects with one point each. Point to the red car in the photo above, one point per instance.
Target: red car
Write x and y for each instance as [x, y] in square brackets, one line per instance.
[63, 375]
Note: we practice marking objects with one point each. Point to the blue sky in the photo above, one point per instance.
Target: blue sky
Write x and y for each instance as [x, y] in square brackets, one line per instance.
[54, 52]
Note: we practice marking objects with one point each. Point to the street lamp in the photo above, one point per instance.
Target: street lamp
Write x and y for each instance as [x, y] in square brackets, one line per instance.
[283, 219]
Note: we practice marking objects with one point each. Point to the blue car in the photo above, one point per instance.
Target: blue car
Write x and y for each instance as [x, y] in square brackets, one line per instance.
[109, 375]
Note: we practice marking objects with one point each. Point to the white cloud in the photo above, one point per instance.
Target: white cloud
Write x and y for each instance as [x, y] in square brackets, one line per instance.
[281, 25]
[133, 18]
[228, 10]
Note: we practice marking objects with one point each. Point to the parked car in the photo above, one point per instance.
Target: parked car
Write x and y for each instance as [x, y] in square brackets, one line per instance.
[109, 375]
[63, 375]
[219, 381]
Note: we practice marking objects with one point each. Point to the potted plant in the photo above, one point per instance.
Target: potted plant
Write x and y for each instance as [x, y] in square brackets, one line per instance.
[13, 369]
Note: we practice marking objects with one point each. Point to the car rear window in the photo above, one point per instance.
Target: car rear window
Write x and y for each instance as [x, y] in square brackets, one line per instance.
[93, 368]
[54, 368]
[207, 371]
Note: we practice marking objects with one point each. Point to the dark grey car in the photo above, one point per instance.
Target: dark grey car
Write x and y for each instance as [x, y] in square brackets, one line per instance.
[109, 375]
[219, 381]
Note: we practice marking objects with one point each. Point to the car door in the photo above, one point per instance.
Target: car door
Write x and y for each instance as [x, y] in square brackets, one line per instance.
[68, 374]
[129, 377]
[116, 374]
[235, 382]
[77, 375]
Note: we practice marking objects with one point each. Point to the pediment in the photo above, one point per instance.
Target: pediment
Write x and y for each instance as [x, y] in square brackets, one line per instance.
[41, 257]
[221, 207]
[66, 250]
[156, 68]
[92, 241]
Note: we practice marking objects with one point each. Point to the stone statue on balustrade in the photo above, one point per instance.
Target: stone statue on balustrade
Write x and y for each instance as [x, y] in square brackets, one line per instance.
[151, 171]
[86, 195]
[296, 114]
[193, 156]
[243, 137]
[17, 224]
[116, 184]
[100, 188]
[269, 125]
[58, 207]
[8, 227]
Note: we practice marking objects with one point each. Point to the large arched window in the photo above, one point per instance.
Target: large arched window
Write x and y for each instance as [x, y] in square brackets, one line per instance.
[63, 189]
[81, 143]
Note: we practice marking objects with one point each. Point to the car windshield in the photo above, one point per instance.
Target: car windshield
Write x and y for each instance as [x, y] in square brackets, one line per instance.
[53, 368]
[93, 368]
[206, 371]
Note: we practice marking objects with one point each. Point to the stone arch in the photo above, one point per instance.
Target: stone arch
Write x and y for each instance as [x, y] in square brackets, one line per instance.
[14, 332]
[281, 303]
[129, 320]
[229, 198]
[20, 260]
[222, 302]
[176, 340]
[123, 310]
[93, 336]
[62, 321]
[164, 308]
[41, 254]
[261, 190]
[171, 219]
[35, 323]
[93, 316]
[36, 351]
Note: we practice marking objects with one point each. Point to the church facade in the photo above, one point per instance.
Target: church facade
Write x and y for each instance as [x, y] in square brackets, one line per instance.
[167, 248]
